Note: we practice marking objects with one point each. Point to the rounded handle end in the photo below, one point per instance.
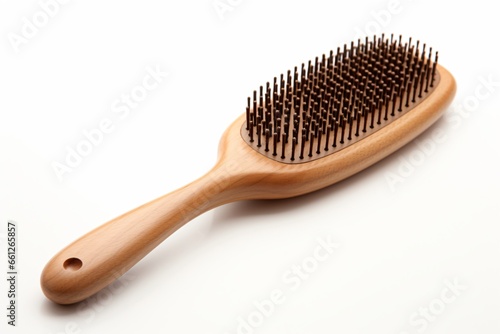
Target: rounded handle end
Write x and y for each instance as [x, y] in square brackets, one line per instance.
[66, 280]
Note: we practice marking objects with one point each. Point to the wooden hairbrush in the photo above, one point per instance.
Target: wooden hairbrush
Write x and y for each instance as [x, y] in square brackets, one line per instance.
[309, 128]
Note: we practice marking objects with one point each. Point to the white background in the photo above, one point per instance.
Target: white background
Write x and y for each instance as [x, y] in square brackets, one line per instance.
[399, 243]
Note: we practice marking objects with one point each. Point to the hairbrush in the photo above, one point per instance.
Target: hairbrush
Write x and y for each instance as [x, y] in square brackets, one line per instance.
[307, 129]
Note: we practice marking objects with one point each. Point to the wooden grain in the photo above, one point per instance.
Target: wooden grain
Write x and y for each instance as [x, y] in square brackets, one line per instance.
[101, 256]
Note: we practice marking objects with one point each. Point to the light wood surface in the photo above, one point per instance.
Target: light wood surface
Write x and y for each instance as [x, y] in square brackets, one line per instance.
[104, 254]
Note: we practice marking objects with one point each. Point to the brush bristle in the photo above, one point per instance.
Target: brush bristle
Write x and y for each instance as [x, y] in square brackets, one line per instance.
[338, 99]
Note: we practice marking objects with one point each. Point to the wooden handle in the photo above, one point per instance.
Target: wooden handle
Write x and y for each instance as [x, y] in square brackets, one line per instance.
[104, 254]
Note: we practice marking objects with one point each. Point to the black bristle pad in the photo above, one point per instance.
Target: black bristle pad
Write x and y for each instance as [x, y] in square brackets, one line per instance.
[336, 99]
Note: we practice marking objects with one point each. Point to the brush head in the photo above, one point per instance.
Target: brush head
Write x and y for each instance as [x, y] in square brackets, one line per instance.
[339, 99]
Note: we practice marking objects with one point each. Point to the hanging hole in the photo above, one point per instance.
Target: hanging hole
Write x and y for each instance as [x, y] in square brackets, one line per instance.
[72, 264]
